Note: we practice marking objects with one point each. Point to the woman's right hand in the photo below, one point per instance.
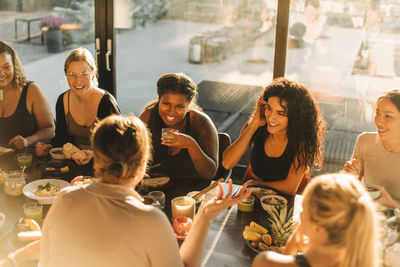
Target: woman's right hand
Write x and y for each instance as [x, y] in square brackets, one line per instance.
[352, 166]
[42, 149]
[258, 115]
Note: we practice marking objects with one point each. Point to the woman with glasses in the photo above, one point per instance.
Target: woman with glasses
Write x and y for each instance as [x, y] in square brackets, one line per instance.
[78, 109]
[285, 135]
[25, 114]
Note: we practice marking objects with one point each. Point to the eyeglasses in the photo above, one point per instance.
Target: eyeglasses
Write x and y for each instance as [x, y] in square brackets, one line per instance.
[74, 76]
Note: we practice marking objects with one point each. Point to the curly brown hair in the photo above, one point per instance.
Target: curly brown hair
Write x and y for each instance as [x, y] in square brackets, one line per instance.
[306, 127]
[19, 79]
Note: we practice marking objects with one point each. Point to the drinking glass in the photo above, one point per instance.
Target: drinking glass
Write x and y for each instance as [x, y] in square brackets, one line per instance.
[33, 210]
[182, 206]
[168, 130]
[159, 196]
[151, 201]
[24, 159]
[199, 200]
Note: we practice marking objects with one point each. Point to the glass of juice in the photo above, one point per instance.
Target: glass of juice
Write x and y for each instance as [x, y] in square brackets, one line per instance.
[183, 206]
[33, 210]
[24, 159]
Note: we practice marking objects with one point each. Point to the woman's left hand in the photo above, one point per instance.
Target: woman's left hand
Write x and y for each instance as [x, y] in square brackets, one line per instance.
[210, 210]
[179, 140]
[19, 142]
[89, 156]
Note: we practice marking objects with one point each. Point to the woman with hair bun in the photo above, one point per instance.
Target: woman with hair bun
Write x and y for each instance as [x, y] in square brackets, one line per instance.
[285, 134]
[338, 228]
[193, 150]
[106, 223]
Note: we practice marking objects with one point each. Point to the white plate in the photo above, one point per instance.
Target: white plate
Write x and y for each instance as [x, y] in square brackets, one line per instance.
[30, 189]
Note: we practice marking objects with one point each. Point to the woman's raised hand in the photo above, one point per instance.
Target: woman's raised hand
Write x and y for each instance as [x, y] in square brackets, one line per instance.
[179, 140]
[210, 210]
[258, 115]
[352, 166]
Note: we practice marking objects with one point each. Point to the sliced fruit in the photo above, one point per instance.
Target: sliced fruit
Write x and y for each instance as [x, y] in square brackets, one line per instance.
[251, 236]
[64, 169]
[267, 239]
[259, 227]
[33, 225]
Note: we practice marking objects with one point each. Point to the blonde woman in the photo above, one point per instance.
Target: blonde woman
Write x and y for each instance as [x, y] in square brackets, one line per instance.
[79, 108]
[376, 155]
[338, 227]
[25, 114]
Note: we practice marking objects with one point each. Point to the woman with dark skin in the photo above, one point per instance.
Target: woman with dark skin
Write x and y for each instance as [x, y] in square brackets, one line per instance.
[193, 151]
[285, 134]
[25, 114]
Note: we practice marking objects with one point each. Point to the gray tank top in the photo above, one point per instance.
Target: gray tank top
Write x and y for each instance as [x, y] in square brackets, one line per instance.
[80, 134]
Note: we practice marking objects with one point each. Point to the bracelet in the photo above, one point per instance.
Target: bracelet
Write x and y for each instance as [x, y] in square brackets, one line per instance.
[11, 257]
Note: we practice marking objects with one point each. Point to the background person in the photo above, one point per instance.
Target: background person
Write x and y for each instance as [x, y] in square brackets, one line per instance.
[285, 134]
[25, 114]
[376, 155]
[78, 109]
[338, 227]
[194, 150]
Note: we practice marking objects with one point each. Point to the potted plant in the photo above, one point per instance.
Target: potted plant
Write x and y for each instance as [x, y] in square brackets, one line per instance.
[50, 26]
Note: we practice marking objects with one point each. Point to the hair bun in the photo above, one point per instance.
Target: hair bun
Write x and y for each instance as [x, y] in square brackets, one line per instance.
[118, 169]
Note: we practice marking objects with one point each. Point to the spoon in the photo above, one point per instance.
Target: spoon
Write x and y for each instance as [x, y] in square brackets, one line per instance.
[22, 173]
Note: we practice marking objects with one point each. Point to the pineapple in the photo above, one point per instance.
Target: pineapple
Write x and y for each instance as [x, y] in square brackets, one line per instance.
[281, 224]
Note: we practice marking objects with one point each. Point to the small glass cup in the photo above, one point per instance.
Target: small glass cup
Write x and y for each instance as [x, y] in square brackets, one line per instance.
[14, 182]
[159, 196]
[151, 201]
[199, 200]
[247, 205]
[24, 159]
[168, 130]
[33, 210]
[183, 206]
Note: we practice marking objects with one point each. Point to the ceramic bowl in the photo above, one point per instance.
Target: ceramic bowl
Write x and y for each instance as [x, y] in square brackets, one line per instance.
[57, 153]
[269, 201]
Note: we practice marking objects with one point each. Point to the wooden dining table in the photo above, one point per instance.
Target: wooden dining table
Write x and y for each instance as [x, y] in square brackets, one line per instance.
[225, 245]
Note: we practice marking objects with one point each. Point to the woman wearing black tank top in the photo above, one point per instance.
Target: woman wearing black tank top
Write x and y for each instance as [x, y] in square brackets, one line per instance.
[193, 151]
[339, 227]
[25, 114]
[285, 134]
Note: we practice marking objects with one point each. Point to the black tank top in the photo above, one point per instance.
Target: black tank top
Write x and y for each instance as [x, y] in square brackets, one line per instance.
[174, 165]
[265, 167]
[20, 123]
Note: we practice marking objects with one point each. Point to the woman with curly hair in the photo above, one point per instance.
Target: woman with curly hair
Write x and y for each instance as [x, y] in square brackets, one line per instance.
[25, 114]
[285, 133]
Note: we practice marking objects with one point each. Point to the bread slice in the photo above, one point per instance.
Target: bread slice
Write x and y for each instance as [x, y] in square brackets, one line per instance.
[72, 152]
[156, 182]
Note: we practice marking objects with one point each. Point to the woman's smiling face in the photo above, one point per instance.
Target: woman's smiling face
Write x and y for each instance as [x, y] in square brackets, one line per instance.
[387, 119]
[6, 70]
[79, 76]
[276, 115]
[172, 108]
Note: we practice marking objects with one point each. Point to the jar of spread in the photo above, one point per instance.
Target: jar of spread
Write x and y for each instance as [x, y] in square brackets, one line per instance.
[14, 182]
[247, 205]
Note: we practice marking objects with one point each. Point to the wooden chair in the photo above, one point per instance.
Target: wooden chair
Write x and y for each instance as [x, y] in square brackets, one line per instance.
[224, 142]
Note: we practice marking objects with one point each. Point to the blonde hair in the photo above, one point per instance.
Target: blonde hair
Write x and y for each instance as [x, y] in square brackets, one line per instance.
[339, 203]
[19, 79]
[80, 54]
[122, 148]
